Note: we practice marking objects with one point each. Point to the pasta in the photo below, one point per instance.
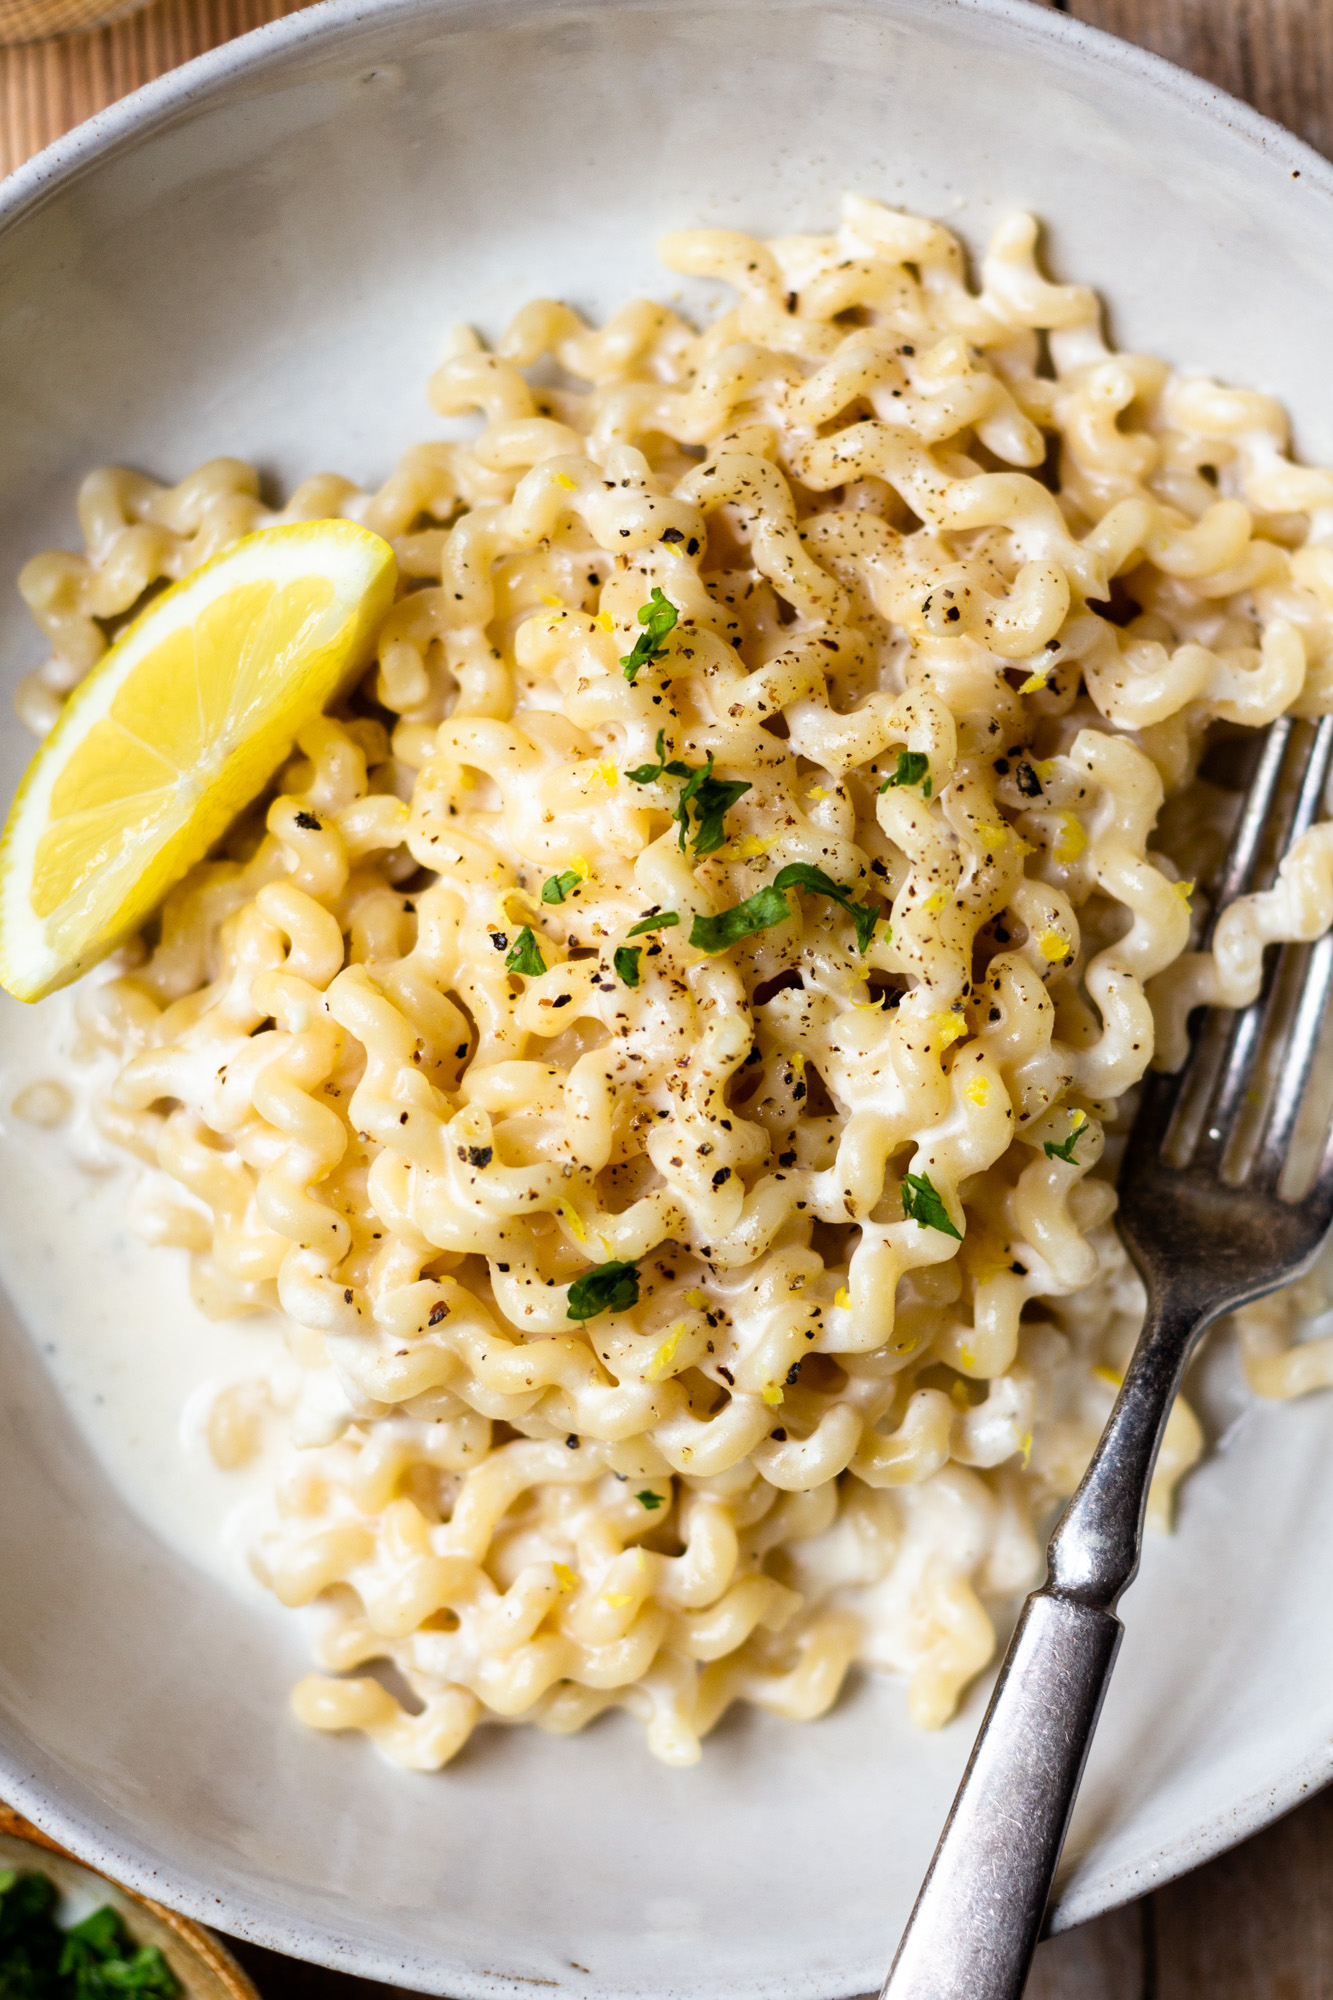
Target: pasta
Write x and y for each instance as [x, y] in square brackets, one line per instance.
[657, 1043]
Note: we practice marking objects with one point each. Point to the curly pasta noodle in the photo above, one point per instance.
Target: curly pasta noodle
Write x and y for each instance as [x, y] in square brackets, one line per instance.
[448, 1029]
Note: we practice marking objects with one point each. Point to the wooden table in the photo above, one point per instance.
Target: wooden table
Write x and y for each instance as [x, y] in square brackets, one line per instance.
[1258, 1923]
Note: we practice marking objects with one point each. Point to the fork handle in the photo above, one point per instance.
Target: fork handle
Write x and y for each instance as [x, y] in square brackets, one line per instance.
[975, 1925]
[976, 1921]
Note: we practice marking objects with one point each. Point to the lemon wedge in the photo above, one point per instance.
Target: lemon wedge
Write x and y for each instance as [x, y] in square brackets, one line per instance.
[173, 732]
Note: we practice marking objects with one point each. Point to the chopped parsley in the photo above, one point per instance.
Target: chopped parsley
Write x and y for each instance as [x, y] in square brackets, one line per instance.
[799, 875]
[728, 927]
[712, 798]
[658, 618]
[626, 962]
[913, 768]
[923, 1206]
[556, 887]
[661, 920]
[94, 1960]
[525, 955]
[612, 1287]
[1065, 1150]
[648, 774]
[652, 1501]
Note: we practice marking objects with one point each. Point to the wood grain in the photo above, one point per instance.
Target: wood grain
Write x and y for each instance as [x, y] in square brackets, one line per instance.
[1277, 54]
[1257, 1924]
[48, 87]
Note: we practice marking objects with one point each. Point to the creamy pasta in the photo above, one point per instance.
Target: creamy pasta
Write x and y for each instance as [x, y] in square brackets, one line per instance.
[656, 1043]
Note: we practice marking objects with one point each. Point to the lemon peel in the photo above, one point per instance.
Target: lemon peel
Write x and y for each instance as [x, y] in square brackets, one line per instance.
[978, 1091]
[1053, 946]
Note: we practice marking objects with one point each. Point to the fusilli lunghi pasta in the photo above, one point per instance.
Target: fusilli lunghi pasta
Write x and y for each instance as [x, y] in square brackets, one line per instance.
[657, 1041]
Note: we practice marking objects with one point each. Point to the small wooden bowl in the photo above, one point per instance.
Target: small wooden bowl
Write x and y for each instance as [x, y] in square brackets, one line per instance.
[205, 1969]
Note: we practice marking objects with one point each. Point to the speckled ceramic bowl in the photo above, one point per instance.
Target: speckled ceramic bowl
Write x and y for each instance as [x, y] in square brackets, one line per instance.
[260, 254]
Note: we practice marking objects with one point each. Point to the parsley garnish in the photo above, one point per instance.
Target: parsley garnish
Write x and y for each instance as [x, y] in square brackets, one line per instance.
[612, 1287]
[922, 1205]
[799, 875]
[525, 954]
[556, 887]
[756, 913]
[95, 1960]
[913, 766]
[648, 774]
[652, 1501]
[658, 617]
[626, 962]
[712, 798]
[663, 920]
[1065, 1150]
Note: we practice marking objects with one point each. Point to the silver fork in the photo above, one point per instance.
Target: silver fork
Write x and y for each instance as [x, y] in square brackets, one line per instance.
[1209, 1216]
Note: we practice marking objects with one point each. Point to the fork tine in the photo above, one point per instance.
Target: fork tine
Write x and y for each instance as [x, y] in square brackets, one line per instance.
[1230, 1085]
[1297, 1062]
[1248, 835]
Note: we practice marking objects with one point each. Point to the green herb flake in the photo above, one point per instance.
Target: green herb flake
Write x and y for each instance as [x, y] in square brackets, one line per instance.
[766, 907]
[525, 955]
[923, 1206]
[799, 875]
[661, 920]
[1065, 1150]
[626, 962]
[612, 1287]
[658, 618]
[652, 1501]
[556, 887]
[913, 767]
[712, 799]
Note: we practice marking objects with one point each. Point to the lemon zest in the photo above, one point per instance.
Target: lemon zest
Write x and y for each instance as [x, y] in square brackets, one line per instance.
[1071, 839]
[563, 479]
[934, 904]
[959, 1397]
[1053, 946]
[1184, 890]
[1045, 770]
[842, 1297]
[565, 1577]
[694, 1298]
[1025, 1446]
[605, 620]
[617, 1598]
[771, 1393]
[578, 1229]
[978, 1091]
[556, 603]
[666, 1353]
[819, 792]
[967, 1356]
[1032, 683]
[949, 1028]
[1108, 1375]
[992, 838]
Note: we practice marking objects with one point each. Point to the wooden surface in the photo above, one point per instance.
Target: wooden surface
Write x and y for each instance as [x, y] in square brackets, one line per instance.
[1257, 1924]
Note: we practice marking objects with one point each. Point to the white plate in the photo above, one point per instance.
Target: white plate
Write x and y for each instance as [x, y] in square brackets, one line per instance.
[260, 255]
